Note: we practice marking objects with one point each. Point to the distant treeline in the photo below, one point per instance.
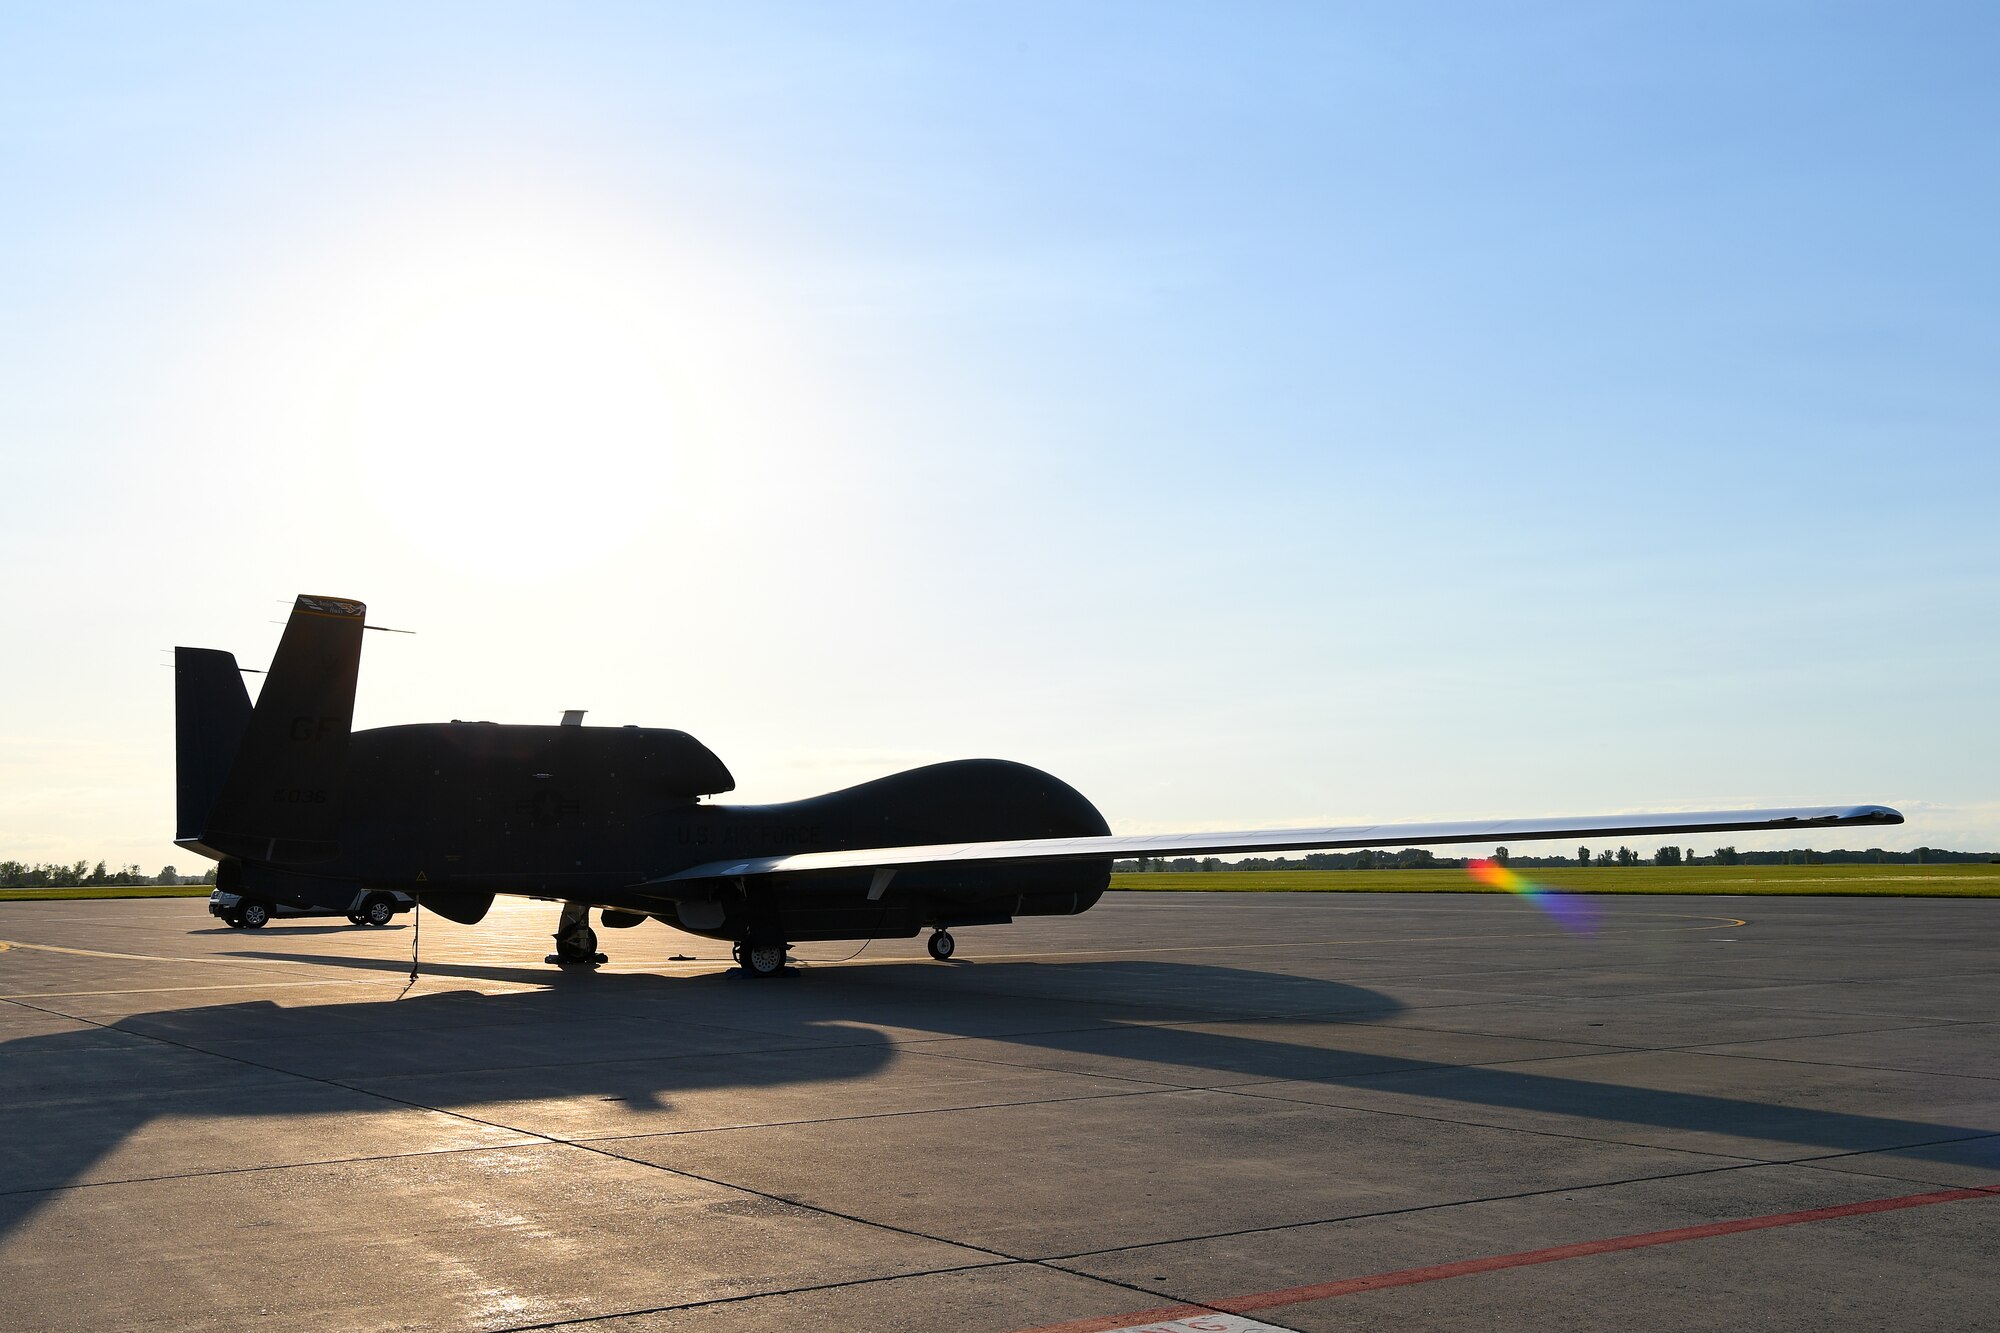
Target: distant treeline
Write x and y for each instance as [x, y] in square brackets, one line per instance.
[1419, 858]
[20, 875]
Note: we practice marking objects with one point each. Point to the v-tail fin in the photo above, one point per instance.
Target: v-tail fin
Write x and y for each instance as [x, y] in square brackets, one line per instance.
[281, 799]
[211, 712]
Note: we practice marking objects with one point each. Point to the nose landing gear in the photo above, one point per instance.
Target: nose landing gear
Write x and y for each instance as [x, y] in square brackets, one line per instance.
[576, 942]
[762, 960]
[941, 945]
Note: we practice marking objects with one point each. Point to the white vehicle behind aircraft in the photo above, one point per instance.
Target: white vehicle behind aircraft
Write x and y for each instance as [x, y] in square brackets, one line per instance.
[365, 908]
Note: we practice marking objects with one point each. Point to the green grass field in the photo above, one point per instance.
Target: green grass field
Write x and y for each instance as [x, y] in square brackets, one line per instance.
[1967, 880]
[108, 891]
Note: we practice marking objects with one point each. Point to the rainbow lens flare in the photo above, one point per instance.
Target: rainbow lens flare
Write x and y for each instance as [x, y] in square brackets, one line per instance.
[1571, 913]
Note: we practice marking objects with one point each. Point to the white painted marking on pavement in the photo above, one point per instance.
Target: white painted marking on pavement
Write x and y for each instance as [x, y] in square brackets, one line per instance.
[1203, 1323]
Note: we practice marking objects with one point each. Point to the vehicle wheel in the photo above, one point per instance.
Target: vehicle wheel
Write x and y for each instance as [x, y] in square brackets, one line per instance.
[233, 921]
[764, 960]
[378, 910]
[252, 914]
[736, 952]
[941, 945]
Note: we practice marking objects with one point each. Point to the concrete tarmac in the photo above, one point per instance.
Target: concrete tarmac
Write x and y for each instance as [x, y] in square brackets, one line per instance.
[1313, 1111]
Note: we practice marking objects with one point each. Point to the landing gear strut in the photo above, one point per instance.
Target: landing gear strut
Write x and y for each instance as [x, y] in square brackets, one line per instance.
[576, 942]
[941, 945]
[763, 953]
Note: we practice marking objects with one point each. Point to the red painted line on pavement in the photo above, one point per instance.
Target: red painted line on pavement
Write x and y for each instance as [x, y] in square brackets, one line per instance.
[1406, 1277]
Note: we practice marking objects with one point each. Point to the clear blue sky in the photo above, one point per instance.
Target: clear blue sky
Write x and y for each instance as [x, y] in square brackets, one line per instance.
[1252, 413]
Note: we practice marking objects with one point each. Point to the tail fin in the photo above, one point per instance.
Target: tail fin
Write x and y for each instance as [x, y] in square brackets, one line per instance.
[281, 800]
[211, 710]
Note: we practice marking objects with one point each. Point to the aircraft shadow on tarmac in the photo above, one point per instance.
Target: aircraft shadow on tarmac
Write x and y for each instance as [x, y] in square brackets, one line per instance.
[71, 1099]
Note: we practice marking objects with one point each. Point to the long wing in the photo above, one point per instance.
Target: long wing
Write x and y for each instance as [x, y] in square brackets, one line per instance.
[1285, 840]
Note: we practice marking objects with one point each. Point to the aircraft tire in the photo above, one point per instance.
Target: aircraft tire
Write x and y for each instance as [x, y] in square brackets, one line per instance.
[577, 949]
[941, 945]
[253, 915]
[764, 960]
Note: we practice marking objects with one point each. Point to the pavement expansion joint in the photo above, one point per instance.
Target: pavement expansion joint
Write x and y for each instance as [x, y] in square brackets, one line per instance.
[1252, 1090]
[910, 1113]
[1842, 1064]
[1015, 1034]
[1824, 1163]
[743, 1298]
[1057, 1260]
[1937, 1020]
[1164, 1084]
[474, 1070]
[776, 1294]
[276, 1167]
[1001, 1257]
[1920, 1025]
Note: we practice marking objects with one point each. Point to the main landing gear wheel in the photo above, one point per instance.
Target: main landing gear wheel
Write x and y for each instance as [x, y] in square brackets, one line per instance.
[252, 915]
[761, 960]
[941, 945]
[576, 942]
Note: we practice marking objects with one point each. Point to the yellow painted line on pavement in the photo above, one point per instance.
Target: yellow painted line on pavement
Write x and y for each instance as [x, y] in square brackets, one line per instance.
[144, 957]
[176, 990]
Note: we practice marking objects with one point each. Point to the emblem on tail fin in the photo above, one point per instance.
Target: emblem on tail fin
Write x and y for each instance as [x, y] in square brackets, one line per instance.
[329, 606]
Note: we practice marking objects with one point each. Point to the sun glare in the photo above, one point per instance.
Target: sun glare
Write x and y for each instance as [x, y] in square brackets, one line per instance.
[515, 415]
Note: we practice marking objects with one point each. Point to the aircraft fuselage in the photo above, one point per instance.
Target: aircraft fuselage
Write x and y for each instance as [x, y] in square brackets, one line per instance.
[456, 812]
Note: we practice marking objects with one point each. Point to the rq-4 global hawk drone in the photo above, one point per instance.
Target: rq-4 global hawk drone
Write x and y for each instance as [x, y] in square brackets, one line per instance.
[299, 808]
